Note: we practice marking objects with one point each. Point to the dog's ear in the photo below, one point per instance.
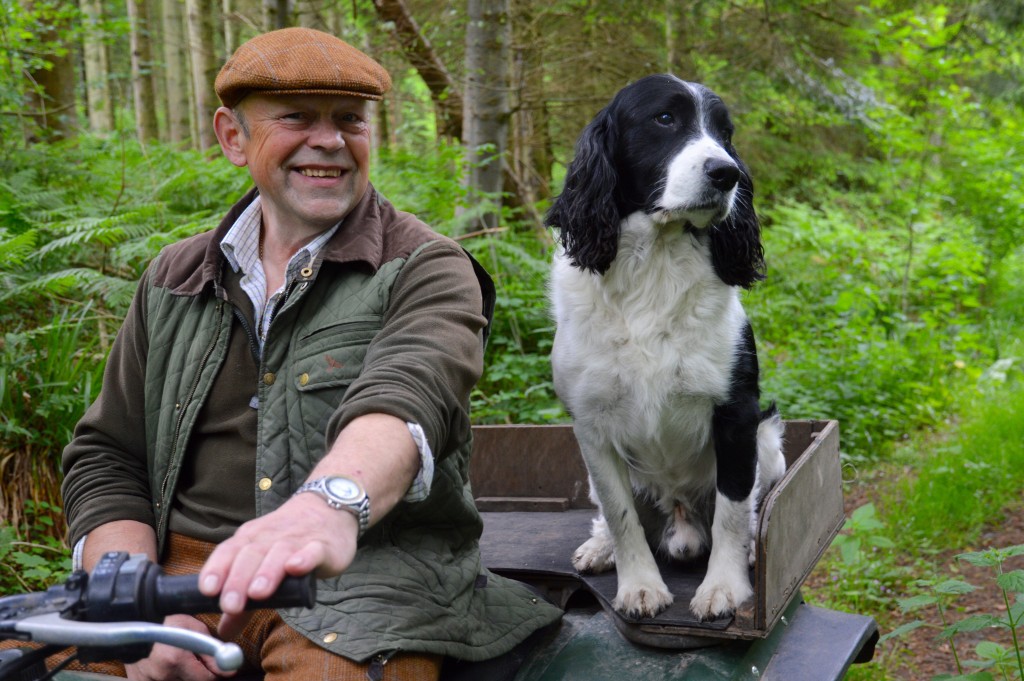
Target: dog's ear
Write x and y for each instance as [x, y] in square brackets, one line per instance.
[587, 211]
[736, 251]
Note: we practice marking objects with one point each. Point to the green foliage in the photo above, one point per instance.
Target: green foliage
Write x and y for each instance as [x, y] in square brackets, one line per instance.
[32, 566]
[429, 185]
[517, 385]
[865, 580]
[942, 594]
[843, 336]
[79, 221]
[48, 376]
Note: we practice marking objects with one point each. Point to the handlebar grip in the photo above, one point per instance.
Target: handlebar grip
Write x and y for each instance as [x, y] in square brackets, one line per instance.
[174, 594]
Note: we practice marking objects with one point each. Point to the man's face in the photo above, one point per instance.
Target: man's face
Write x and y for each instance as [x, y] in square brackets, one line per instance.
[309, 156]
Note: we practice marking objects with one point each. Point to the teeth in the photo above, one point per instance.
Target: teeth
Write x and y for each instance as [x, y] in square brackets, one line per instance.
[313, 172]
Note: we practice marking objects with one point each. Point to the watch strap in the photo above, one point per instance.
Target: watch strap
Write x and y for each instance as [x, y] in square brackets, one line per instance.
[360, 507]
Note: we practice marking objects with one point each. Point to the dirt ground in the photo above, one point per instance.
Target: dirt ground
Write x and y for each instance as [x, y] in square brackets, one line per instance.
[919, 656]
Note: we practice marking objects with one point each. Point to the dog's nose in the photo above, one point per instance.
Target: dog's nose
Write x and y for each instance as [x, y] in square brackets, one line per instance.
[723, 174]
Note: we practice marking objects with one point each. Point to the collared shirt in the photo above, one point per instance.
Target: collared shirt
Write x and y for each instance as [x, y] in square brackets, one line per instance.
[241, 246]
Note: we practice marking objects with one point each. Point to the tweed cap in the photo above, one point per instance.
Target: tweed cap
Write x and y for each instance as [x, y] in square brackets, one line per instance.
[300, 61]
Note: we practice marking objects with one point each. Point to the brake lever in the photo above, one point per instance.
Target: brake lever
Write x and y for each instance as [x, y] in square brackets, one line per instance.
[53, 629]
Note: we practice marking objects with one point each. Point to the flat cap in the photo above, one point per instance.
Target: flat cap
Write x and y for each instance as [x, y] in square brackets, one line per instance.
[300, 61]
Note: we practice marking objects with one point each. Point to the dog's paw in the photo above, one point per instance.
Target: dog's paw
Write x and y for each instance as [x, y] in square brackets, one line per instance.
[597, 554]
[638, 600]
[718, 596]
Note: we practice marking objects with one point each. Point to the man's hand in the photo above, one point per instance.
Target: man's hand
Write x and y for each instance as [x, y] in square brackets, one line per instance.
[305, 534]
[167, 663]
[302, 536]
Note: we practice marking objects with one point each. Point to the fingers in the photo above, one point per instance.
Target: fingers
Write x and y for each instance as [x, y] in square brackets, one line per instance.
[303, 536]
[231, 626]
[240, 570]
[167, 662]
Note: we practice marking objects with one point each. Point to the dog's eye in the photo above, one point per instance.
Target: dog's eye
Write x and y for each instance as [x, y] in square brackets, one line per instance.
[664, 118]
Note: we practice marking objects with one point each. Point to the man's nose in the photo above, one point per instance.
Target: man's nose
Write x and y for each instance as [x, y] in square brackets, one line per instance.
[326, 135]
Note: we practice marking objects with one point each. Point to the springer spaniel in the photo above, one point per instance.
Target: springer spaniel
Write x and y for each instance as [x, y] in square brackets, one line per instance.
[653, 355]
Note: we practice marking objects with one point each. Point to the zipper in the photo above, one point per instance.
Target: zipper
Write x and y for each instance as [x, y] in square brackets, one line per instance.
[184, 407]
[281, 303]
[254, 347]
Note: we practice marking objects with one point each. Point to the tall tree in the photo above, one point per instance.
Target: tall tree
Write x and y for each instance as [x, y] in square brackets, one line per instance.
[444, 90]
[175, 75]
[230, 39]
[204, 68]
[276, 14]
[97, 68]
[143, 93]
[486, 111]
[51, 93]
[529, 158]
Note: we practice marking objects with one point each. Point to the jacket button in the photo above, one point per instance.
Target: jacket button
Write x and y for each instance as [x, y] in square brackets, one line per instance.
[303, 379]
[265, 483]
[306, 272]
[268, 378]
[330, 637]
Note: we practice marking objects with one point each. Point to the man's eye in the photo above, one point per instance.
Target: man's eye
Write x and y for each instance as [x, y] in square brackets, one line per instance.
[665, 118]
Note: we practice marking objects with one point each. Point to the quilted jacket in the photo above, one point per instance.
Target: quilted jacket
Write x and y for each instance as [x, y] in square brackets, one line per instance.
[389, 318]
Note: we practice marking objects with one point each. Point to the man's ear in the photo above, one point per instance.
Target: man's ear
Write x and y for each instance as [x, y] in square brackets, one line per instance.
[231, 134]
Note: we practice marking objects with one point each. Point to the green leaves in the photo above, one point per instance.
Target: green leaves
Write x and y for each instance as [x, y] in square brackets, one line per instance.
[943, 594]
[972, 623]
[1012, 582]
[31, 566]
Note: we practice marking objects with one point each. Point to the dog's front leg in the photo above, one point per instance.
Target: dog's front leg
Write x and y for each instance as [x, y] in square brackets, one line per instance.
[618, 537]
[727, 583]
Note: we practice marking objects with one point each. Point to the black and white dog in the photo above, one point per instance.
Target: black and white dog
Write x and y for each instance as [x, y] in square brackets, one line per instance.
[653, 355]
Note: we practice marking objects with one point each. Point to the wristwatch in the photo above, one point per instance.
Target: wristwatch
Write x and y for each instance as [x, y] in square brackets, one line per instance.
[342, 494]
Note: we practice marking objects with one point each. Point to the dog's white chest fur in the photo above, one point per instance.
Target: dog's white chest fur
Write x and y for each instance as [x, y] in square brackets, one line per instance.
[663, 326]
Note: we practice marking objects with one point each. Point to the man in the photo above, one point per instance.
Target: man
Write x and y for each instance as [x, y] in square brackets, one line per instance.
[289, 393]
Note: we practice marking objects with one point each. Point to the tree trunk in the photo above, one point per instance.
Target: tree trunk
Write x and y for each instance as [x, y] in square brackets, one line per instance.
[204, 68]
[97, 69]
[230, 40]
[486, 112]
[529, 167]
[276, 14]
[143, 93]
[444, 91]
[52, 95]
[175, 76]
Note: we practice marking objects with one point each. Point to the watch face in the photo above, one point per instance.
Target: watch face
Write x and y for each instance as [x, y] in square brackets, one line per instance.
[343, 488]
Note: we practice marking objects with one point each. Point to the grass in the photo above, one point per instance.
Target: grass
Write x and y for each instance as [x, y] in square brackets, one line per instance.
[963, 482]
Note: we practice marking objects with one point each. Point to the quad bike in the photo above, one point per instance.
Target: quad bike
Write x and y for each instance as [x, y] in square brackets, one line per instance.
[531, 488]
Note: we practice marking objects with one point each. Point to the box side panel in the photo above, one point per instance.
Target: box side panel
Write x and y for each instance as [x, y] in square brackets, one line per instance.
[801, 516]
[539, 465]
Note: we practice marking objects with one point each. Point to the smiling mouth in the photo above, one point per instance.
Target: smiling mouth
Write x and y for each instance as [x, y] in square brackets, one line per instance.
[320, 172]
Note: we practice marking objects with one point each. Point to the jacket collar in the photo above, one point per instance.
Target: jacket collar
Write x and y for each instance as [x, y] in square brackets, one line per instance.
[360, 238]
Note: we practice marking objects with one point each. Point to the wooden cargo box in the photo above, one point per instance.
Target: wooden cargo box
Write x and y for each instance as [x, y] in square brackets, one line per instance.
[531, 487]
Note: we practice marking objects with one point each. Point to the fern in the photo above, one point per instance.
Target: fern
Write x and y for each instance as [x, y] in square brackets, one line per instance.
[110, 231]
[17, 248]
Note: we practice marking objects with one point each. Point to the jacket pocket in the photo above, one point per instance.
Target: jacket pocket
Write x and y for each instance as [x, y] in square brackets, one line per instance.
[333, 356]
